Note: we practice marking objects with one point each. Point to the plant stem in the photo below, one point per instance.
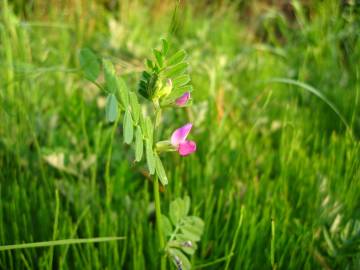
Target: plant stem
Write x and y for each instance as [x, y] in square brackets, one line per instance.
[108, 163]
[158, 221]
[157, 196]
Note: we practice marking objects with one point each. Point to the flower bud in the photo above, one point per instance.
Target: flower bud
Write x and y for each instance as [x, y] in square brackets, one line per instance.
[163, 91]
[181, 101]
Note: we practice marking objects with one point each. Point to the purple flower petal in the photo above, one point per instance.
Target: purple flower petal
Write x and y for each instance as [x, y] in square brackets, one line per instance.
[186, 148]
[180, 134]
[181, 101]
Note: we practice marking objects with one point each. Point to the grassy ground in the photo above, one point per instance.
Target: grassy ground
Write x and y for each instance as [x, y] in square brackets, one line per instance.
[276, 116]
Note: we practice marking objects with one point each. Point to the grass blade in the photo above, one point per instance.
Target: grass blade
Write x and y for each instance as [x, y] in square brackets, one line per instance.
[61, 242]
[242, 211]
[313, 91]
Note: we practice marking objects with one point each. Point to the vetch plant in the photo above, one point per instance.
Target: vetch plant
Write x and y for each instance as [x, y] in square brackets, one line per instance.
[164, 84]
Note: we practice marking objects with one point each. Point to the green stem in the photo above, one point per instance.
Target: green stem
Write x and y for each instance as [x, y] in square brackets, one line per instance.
[157, 195]
[174, 233]
[158, 221]
[108, 164]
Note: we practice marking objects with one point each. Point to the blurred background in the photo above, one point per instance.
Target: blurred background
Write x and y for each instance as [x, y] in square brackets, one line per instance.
[276, 120]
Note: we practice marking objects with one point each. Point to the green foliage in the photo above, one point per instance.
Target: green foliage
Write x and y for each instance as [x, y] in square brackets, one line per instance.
[135, 107]
[149, 129]
[60, 243]
[128, 127]
[147, 84]
[133, 119]
[150, 158]
[139, 144]
[166, 225]
[89, 64]
[179, 259]
[111, 108]
[160, 71]
[182, 232]
[267, 146]
[110, 77]
[122, 92]
[160, 170]
[176, 58]
[176, 70]
[181, 80]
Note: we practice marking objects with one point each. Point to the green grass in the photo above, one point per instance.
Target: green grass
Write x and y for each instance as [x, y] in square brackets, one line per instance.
[276, 150]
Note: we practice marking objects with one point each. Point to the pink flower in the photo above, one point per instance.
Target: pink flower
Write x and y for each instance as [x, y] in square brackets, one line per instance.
[178, 140]
[181, 101]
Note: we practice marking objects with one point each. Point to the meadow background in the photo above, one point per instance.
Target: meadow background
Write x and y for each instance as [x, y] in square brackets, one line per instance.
[276, 120]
